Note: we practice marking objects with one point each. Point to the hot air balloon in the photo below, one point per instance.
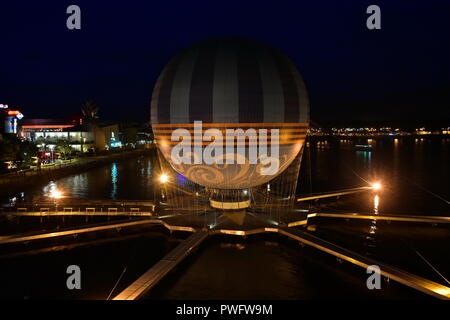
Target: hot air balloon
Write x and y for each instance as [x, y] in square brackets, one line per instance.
[230, 113]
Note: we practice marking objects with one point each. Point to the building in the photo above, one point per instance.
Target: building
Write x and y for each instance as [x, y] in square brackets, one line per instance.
[9, 120]
[47, 132]
[81, 137]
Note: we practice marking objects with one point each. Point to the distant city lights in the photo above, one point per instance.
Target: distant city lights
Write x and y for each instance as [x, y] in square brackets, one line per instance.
[376, 131]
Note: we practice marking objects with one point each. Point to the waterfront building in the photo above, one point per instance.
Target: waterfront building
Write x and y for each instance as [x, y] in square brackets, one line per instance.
[82, 136]
[47, 132]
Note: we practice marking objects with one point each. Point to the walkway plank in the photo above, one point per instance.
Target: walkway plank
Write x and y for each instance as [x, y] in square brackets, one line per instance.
[416, 282]
[149, 279]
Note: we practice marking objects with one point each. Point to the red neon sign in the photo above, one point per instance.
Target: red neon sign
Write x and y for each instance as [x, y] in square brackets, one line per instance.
[46, 126]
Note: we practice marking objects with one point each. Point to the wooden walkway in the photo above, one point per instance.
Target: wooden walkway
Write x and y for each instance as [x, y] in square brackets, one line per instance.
[334, 194]
[67, 207]
[40, 236]
[163, 267]
[416, 282]
[149, 279]
[111, 213]
[386, 217]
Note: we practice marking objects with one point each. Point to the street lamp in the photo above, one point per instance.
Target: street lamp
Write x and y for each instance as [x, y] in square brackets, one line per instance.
[163, 178]
[376, 186]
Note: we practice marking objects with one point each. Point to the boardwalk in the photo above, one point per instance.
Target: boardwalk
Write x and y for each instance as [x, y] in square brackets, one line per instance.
[40, 236]
[416, 282]
[203, 224]
[69, 207]
[149, 279]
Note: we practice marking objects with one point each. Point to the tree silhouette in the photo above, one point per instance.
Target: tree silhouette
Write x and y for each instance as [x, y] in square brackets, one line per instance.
[90, 111]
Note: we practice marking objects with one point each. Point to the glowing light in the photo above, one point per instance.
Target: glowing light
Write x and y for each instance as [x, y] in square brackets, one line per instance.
[13, 113]
[47, 126]
[56, 194]
[376, 186]
[163, 178]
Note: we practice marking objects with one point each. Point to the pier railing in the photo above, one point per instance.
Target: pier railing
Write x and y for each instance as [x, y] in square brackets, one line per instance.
[144, 208]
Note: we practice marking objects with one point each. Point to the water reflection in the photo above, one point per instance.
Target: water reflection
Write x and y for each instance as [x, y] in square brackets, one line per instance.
[128, 179]
[50, 190]
[114, 176]
[371, 238]
[12, 201]
[365, 159]
[376, 202]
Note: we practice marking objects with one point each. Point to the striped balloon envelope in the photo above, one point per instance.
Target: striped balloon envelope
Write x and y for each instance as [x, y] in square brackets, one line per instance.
[230, 113]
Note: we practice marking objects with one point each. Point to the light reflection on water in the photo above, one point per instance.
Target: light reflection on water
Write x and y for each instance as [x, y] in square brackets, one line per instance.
[376, 202]
[114, 176]
[129, 179]
[373, 226]
[405, 166]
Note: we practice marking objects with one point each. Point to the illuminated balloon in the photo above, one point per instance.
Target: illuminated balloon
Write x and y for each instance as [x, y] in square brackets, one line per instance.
[215, 87]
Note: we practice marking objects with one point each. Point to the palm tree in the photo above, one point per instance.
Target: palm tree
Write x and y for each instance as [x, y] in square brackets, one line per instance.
[90, 110]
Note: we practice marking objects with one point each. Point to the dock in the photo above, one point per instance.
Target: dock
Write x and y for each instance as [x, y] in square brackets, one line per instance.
[149, 279]
[384, 217]
[48, 235]
[202, 224]
[334, 194]
[408, 279]
[69, 207]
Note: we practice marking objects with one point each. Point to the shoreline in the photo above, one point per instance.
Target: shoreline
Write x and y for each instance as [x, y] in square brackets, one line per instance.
[12, 182]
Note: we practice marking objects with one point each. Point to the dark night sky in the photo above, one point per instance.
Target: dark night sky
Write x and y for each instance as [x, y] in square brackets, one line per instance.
[399, 72]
